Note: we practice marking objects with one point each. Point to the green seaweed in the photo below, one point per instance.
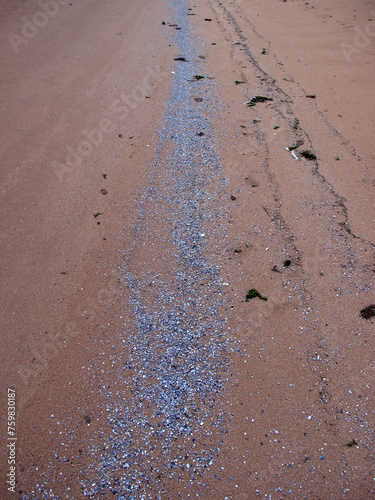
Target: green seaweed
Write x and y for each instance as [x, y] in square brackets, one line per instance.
[237, 82]
[258, 98]
[97, 214]
[308, 155]
[253, 293]
[104, 176]
[199, 77]
[277, 126]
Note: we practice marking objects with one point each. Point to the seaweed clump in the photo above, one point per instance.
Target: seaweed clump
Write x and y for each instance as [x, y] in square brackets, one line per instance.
[368, 312]
[253, 293]
[258, 98]
[308, 155]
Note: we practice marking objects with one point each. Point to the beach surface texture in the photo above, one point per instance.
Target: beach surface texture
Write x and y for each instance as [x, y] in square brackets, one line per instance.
[188, 249]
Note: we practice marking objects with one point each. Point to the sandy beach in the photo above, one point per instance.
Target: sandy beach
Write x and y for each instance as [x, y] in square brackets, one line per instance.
[187, 298]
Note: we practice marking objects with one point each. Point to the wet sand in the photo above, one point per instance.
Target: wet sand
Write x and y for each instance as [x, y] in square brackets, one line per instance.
[124, 315]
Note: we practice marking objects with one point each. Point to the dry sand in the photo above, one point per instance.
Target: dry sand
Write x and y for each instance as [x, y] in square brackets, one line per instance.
[85, 103]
